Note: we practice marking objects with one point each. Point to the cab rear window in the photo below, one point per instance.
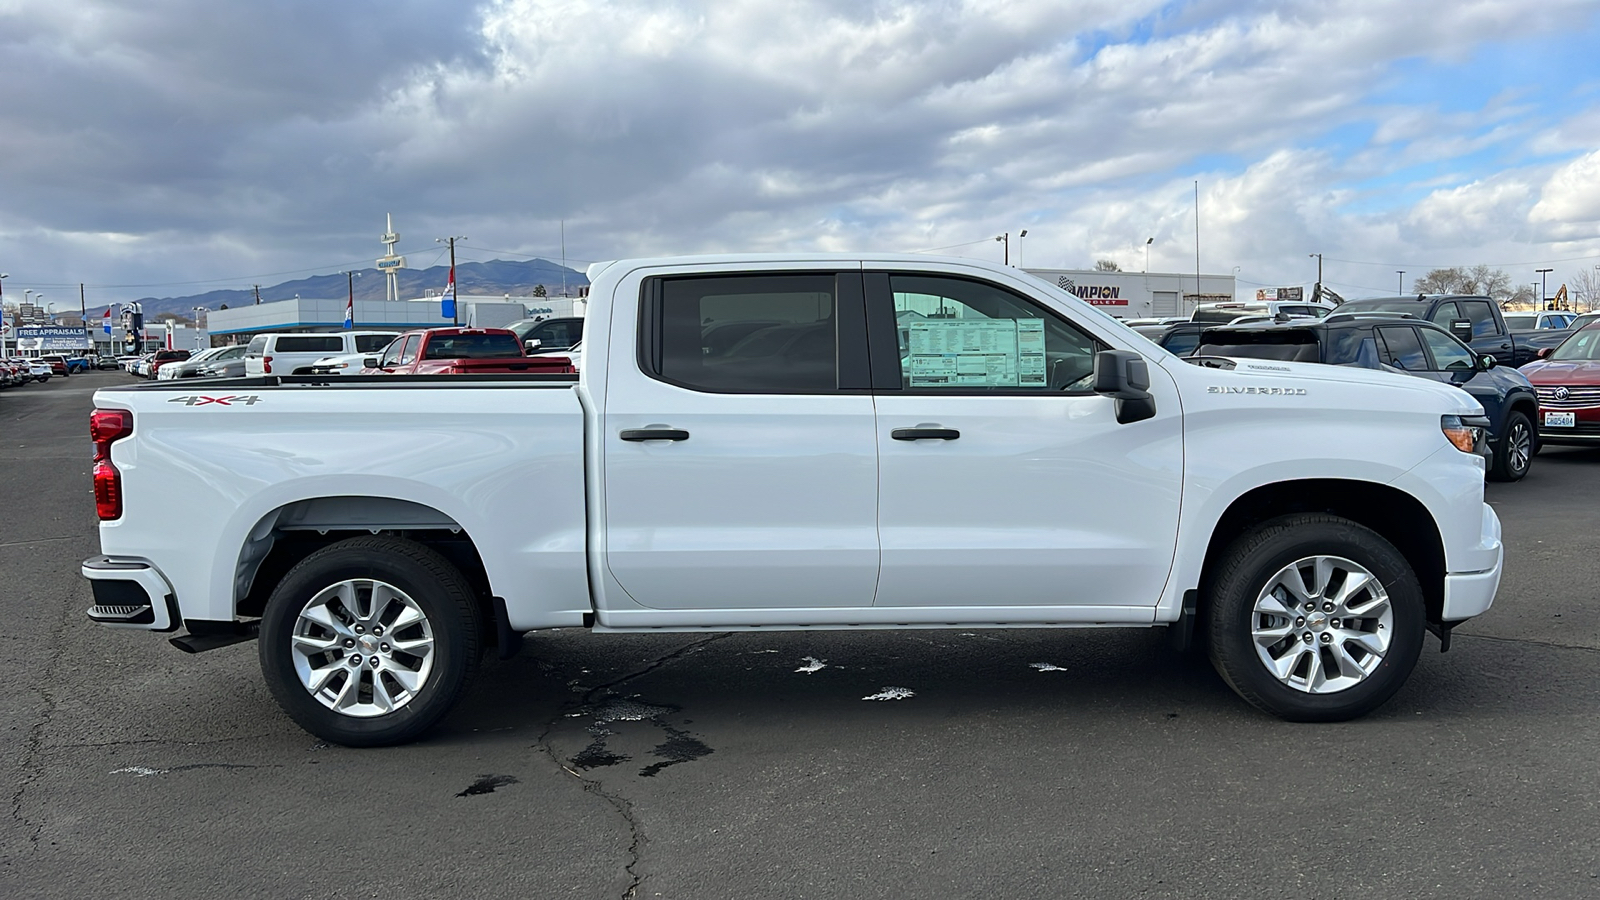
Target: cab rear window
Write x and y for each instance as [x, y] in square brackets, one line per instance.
[495, 345]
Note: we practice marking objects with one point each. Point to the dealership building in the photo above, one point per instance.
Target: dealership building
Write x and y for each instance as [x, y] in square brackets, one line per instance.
[1137, 295]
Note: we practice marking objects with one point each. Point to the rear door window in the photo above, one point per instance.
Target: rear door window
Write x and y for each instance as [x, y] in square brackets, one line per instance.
[1482, 316]
[1401, 348]
[258, 346]
[790, 348]
[372, 343]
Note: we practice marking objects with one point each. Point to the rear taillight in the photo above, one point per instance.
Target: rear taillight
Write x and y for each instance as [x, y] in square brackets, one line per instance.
[107, 426]
[266, 365]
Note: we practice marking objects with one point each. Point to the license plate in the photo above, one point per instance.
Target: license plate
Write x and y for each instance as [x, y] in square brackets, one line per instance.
[1560, 419]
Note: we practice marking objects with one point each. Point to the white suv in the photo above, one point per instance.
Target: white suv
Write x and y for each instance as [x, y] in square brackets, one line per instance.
[293, 354]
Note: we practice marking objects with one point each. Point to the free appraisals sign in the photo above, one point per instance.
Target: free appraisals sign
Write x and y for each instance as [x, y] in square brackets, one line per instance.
[49, 338]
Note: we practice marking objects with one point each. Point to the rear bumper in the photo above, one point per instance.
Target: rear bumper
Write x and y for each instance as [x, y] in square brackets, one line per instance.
[1467, 594]
[130, 593]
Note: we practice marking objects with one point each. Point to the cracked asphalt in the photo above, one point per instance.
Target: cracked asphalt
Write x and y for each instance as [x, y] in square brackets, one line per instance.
[1016, 763]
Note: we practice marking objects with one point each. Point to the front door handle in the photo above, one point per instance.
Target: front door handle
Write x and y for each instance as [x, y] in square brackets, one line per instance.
[654, 434]
[923, 434]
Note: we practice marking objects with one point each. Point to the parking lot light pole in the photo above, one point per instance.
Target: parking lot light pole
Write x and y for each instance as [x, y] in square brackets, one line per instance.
[1542, 274]
[1319, 265]
[1402, 280]
[1006, 238]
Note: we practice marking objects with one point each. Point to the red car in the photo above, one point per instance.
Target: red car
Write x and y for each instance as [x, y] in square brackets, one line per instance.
[57, 364]
[163, 357]
[462, 351]
[1568, 381]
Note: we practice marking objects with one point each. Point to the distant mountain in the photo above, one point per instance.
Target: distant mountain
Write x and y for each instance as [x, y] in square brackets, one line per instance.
[497, 276]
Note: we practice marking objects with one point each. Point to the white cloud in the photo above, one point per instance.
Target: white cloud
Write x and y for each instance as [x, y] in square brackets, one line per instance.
[235, 141]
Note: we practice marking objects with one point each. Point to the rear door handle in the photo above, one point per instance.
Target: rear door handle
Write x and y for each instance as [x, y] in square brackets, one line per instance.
[654, 434]
[923, 434]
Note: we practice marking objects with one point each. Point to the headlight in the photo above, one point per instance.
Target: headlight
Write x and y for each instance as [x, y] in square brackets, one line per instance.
[1466, 434]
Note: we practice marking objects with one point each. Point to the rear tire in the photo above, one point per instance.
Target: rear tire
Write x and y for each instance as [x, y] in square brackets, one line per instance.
[1365, 620]
[370, 641]
[1518, 445]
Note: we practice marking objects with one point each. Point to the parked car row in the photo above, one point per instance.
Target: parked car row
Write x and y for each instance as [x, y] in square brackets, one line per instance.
[1540, 386]
[20, 371]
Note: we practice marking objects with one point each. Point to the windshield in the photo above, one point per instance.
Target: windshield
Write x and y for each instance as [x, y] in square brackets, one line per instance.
[1393, 304]
[1584, 345]
[491, 345]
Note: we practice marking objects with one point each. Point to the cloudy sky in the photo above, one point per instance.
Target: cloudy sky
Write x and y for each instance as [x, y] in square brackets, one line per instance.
[163, 147]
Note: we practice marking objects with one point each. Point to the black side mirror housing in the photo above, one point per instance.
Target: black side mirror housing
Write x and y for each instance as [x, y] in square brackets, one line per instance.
[1488, 361]
[1462, 328]
[1125, 376]
[370, 362]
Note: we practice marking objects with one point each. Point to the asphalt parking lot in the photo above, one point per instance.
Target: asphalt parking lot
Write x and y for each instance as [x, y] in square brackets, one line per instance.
[1025, 764]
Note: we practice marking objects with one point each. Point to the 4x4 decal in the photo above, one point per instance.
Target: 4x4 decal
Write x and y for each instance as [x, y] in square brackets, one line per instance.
[225, 400]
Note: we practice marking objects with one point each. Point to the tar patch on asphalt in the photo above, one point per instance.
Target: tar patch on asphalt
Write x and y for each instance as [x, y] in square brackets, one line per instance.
[486, 785]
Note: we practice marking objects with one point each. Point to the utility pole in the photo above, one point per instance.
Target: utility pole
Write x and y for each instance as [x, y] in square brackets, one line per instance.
[455, 306]
[1402, 288]
[1542, 274]
[563, 258]
[258, 294]
[1196, 242]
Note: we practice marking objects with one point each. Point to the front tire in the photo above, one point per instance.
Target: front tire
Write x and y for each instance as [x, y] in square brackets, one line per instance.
[1315, 618]
[1517, 447]
[370, 641]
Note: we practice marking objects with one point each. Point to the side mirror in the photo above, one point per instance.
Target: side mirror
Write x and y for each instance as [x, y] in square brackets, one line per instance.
[1543, 353]
[370, 362]
[1124, 375]
[533, 344]
[1488, 361]
[1462, 328]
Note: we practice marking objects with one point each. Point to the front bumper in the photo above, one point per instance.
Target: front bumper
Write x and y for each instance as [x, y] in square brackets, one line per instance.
[130, 593]
[1467, 594]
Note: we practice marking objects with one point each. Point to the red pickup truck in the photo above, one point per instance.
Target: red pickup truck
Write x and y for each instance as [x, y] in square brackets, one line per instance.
[461, 351]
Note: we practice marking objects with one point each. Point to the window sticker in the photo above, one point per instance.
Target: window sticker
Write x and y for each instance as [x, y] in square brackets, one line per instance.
[976, 353]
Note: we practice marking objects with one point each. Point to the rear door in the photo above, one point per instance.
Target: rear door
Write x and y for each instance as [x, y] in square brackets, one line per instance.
[1006, 482]
[742, 475]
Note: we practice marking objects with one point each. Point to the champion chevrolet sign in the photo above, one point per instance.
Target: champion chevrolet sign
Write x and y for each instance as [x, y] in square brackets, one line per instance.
[1093, 294]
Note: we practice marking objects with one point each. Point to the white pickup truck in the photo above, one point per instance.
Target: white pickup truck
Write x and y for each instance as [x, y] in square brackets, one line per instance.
[799, 442]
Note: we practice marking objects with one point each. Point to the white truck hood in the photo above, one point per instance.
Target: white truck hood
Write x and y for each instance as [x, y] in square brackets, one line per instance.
[1457, 401]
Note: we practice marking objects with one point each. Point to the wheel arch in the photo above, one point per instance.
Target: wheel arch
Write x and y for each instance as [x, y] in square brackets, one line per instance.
[1397, 516]
[289, 533]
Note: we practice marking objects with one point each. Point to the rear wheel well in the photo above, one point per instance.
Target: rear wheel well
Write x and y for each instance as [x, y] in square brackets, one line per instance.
[288, 546]
[1400, 518]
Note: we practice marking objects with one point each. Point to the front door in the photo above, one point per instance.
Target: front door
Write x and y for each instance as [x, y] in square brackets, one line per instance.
[1004, 480]
[741, 466]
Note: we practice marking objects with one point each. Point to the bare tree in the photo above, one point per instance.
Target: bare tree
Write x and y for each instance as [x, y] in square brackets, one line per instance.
[1479, 279]
[1521, 298]
[1585, 291]
[1106, 265]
